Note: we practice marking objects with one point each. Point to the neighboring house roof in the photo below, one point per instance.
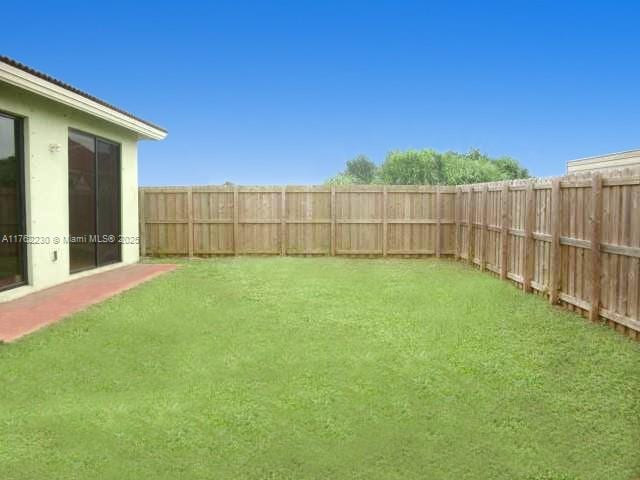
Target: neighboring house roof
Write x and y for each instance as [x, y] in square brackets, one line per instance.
[18, 74]
[628, 159]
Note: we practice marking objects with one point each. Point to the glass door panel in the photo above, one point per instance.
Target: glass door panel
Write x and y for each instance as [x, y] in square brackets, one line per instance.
[82, 201]
[12, 251]
[108, 202]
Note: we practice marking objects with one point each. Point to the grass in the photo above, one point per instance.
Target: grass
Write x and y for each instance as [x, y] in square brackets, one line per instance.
[294, 368]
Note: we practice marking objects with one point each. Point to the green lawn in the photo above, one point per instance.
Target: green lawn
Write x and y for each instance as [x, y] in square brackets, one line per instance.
[321, 368]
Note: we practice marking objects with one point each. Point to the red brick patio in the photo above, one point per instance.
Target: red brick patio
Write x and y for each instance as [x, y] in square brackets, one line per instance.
[27, 314]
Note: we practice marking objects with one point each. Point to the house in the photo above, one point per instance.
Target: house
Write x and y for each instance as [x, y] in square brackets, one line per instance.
[68, 181]
[620, 160]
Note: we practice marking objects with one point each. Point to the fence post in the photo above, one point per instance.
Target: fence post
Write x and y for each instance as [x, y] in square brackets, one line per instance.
[190, 221]
[235, 220]
[143, 224]
[333, 220]
[596, 233]
[283, 222]
[506, 219]
[529, 242]
[384, 221]
[470, 211]
[483, 231]
[456, 213]
[555, 253]
[438, 222]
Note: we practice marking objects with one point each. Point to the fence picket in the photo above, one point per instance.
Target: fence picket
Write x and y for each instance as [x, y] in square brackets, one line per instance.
[596, 232]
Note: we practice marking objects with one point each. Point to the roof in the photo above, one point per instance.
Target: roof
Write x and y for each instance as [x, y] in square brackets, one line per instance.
[628, 158]
[16, 73]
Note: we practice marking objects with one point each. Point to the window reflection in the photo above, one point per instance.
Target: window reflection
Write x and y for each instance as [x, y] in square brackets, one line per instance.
[82, 201]
[11, 202]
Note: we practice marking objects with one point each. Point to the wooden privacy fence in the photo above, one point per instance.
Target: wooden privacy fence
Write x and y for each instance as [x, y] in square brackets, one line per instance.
[415, 220]
[575, 239]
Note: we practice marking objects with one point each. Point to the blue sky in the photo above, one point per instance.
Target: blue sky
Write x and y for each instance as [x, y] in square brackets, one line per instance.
[286, 92]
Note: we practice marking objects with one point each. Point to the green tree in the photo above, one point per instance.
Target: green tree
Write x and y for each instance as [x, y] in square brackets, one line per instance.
[510, 168]
[469, 168]
[342, 179]
[361, 169]
[413, 167]
[429, 167]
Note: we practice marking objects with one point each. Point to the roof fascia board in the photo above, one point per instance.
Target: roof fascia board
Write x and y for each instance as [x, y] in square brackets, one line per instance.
[32, 83]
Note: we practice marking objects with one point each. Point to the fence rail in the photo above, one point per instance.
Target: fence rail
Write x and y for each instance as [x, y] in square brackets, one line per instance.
[575, 239]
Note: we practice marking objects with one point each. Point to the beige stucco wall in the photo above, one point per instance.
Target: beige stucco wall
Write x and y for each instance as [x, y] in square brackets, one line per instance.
[46, 123]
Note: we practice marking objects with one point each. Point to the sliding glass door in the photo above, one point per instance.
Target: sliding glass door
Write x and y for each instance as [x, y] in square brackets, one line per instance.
[94, 201]
[12, 215]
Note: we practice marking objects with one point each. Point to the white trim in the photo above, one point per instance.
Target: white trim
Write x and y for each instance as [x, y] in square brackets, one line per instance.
[600, 158]
[35, 84]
